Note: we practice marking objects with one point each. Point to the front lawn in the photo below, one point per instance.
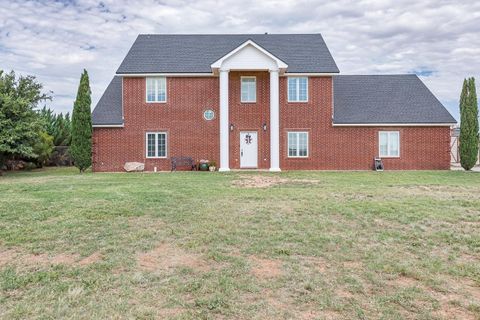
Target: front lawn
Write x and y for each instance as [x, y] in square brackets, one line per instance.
[301, 245]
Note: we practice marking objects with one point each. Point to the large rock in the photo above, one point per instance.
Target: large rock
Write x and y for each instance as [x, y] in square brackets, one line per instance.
[134, 166]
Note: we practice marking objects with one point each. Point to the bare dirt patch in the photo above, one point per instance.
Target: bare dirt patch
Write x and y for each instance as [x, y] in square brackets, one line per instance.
[266, 268]
[259, 181]
[167, 256]
[94, 257]
[405, 282]
[265, 181]
[20, 257]
[7, 256]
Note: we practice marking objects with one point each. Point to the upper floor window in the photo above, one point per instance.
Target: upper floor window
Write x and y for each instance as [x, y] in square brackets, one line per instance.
[156, 144]
[297, 89]
[249, 89]
[297, 144]
[389, 144]
[156, 89]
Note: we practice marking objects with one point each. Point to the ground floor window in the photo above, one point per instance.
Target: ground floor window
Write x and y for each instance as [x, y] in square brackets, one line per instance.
[156, 144]
[389, 144]
[297, 144]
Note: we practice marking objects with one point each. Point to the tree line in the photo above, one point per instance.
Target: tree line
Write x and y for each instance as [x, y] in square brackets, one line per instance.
[30, 134]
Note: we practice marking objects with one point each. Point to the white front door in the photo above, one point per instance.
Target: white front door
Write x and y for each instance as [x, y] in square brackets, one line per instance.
[248, 149]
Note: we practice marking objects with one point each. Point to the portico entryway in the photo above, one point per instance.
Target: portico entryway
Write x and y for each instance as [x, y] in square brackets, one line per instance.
[249, 57]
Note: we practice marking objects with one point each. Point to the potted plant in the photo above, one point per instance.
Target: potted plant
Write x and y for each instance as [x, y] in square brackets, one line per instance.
[203, 165]
[212, 166]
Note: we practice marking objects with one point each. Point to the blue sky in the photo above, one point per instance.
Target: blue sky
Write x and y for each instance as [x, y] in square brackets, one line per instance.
[54, 40]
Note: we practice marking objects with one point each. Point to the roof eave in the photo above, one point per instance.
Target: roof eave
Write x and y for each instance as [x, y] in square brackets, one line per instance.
[398, 124]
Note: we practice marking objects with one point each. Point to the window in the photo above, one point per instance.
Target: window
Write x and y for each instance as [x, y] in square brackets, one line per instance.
[297, 89]
[249, 89]
[156, 144]
[297, 144]
[389, 144]
[157, 89]
[209, 114]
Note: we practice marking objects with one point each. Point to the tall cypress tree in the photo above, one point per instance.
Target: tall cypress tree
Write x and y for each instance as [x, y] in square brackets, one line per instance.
[468, 125]
[81, 146]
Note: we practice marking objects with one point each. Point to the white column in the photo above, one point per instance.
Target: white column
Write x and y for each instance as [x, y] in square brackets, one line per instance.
[224, 125]
[274, 122]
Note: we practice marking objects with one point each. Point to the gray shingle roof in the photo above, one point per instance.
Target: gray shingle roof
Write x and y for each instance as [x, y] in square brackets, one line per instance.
[162, 53]
[365, 99]
[109, 108]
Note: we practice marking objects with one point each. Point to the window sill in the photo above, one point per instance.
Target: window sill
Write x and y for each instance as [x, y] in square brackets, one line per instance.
[297, 101]
[390, 157]
[156, 157]
[247, 102]
[156, 101]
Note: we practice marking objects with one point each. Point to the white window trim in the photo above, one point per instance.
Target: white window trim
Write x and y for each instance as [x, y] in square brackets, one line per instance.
[388, 144]
[298, 141]
[298, 90]
[156, 90]
[206, 117]
[241, 80]
[156, 133]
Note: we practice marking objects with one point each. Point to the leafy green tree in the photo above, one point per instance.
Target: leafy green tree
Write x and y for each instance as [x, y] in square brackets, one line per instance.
[19, 121]
[468, 125]
[43, 148]
[81, 146]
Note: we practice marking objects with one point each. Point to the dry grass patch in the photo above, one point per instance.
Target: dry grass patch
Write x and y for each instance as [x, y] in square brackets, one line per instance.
[20, 257]
[259, 181]
[266, 268]
[266, 181]
[166, 256]
[452, 303]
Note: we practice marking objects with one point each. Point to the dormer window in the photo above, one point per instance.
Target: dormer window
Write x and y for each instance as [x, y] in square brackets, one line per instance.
[156, 89]
[297, 89]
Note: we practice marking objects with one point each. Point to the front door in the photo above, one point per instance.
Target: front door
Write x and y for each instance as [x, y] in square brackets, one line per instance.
[248, 149]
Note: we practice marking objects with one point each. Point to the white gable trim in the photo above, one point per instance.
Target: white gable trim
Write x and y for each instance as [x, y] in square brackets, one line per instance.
[218, 64]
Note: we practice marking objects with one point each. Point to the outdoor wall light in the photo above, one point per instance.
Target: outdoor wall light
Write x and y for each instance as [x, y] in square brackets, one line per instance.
[264, 126]
[231, 126]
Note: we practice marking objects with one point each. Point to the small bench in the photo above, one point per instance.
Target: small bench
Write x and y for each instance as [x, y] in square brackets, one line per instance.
[183, 162]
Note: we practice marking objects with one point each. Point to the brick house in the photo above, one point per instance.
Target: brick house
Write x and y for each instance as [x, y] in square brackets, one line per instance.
[265, 101]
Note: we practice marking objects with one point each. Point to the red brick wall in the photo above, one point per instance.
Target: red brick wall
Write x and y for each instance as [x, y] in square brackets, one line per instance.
[189, 134]
[353, 148]
[330, 148]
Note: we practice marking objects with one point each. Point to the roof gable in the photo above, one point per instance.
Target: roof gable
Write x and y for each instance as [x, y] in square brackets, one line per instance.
[249, 55]
[163, 53]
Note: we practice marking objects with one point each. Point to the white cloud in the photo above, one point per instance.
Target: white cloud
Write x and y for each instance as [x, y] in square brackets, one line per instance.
[55, 40]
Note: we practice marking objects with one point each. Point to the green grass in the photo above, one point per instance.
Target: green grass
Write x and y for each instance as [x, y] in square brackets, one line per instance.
[312, 245]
